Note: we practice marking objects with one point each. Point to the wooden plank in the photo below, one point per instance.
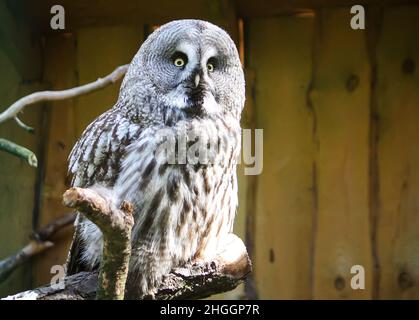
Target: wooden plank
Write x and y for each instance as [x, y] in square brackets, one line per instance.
[398, 154]
[117, 12]
[251, 8]
[60, 72]
[340, 100]
[280, 54]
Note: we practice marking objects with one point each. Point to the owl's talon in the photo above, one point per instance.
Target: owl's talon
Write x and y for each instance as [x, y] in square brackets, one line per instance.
[204, 264]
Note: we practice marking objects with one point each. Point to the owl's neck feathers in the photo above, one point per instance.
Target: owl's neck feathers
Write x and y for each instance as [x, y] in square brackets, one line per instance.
[159, 114]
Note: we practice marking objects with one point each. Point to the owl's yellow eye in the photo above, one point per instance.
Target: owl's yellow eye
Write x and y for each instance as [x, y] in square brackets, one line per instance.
[179, 62]
[210, 67]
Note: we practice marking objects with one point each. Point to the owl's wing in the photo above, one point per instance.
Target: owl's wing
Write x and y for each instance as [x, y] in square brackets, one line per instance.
[96, 159]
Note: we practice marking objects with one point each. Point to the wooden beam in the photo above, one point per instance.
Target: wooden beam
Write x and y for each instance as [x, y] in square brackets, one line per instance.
[80, 13]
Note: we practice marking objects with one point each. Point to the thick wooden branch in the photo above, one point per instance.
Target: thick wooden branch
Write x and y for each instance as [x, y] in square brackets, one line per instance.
[116, 225]
[39, 243]
[193, 281]
[41, 96]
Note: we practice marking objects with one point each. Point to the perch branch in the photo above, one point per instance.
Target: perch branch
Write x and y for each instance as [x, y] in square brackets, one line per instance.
[19, 151]
[39, 243]
[41, 96]
[116, 225]
[193, 281]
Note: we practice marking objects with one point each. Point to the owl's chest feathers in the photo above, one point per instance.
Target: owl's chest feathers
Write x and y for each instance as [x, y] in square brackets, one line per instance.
[182, 208]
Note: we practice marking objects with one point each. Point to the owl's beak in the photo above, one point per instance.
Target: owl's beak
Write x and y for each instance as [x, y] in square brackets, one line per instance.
[197, 79]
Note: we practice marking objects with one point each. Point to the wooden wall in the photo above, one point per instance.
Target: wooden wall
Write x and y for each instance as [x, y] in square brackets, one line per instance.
[284, 199]
[397, 155]
[339, 109]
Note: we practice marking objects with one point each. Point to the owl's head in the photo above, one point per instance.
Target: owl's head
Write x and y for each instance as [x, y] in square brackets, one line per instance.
[189, 65]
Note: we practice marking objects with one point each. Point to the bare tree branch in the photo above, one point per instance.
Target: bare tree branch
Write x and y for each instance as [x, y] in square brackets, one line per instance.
[8, 265]
[21, 124]
[39, 243]
[41, 96]
[116, 225]
[193, 281]
[19, 151]
[51, 228]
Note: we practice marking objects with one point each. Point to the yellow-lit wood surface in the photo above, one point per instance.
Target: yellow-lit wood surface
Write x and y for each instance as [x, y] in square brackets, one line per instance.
[280, 54]
[340, 100]
[398, 154]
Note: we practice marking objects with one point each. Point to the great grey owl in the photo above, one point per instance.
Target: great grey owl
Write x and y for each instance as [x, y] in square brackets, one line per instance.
[186, 78]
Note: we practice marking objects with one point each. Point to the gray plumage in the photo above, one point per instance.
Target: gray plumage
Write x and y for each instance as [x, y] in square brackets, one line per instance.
[185, 81]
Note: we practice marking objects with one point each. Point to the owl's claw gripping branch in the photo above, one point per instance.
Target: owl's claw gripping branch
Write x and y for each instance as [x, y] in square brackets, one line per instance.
[115, 224]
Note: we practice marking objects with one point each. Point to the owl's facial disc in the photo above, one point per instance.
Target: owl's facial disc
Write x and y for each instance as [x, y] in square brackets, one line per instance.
[194, 92]
[190, 66]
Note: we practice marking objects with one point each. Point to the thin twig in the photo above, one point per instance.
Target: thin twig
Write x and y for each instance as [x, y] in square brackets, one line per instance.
[51, 228]
[41, 96]
[39, 243]
[19, 151]
[24, 126]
